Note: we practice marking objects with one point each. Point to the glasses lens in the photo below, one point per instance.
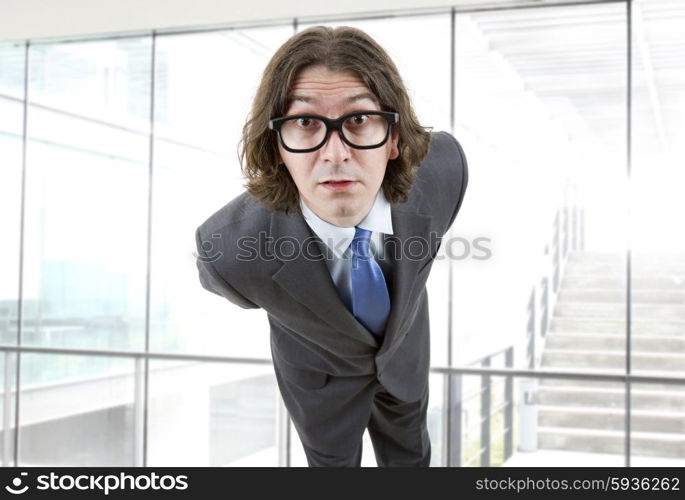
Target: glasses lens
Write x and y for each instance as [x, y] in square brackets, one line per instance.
[365, 130]
[360, 130]
[303, 133]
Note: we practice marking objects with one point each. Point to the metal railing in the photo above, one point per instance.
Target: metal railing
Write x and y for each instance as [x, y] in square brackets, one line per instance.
[481, 400]
[568, 230]
[283, 437]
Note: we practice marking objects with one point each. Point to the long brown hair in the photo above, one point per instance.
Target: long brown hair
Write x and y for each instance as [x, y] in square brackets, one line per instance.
[339, 49]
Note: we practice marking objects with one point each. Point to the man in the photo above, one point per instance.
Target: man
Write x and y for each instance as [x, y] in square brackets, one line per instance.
[347, 199]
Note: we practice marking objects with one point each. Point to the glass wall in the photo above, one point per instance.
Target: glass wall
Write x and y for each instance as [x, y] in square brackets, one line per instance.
[540, 106]
[658, 265]
[657, 177]
[200, 107]
[85, 236]
[12, 58]
[212, 415]
[565, 257]
[72, 418]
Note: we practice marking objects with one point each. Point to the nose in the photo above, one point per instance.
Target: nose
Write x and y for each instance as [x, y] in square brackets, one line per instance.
[334, 149]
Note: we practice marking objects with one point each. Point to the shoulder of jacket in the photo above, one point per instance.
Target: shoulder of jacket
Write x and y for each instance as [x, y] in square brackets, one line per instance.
[434, 170]
[242, 213]
[443, 146]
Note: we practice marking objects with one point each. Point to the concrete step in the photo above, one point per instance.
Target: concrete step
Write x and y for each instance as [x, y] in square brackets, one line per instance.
[639, 326]
[578, 396]
[618, 296]
[655, 312]
[611, 419]
[652, 282]
[639, 257]
[640, 262]
[557, 382]
[618, 269]
[599, 441]
[615, 342]
[588, 334]
[565, 358]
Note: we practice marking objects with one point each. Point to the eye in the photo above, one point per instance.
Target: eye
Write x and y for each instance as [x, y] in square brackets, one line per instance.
[303, 122]
[358, 119]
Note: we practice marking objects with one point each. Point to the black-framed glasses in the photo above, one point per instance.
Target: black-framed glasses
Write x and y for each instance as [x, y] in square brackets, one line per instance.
[360, 130]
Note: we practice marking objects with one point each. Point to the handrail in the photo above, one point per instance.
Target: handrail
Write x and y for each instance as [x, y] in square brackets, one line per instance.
[460, 434]
[439, 370]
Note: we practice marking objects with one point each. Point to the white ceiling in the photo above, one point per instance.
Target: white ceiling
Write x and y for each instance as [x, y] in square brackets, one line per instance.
[36, 19]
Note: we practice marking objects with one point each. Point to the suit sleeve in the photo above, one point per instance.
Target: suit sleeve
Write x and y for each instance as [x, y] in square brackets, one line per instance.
[211, 280]
[464, 182]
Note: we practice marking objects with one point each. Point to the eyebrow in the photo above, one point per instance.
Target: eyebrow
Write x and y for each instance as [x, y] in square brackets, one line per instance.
[354, 98]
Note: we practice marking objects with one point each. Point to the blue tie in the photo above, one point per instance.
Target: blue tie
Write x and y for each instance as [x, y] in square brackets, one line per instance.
[370, 299]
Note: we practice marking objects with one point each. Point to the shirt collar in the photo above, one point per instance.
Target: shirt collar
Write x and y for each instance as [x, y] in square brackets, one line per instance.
[338, 238]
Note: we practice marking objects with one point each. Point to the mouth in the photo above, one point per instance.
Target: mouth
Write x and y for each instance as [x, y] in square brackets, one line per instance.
[338, 184]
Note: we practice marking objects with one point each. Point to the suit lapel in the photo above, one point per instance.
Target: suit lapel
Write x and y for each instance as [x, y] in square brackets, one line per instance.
[306, 278]
[407, 227]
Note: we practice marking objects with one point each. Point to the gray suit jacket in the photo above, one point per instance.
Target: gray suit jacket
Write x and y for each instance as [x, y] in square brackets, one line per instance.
[249, 254]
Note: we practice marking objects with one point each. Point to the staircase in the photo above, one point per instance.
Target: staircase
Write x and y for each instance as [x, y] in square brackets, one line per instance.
[587, 333]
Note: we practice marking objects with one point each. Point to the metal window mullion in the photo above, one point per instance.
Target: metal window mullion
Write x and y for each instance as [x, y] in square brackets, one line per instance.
[22, 223]
[283, 440]
[139, 412]
[7, 434]
[453, 401]
[451, 450]
[629, 83]
[485, 417]
[146, 364]
[509, 408]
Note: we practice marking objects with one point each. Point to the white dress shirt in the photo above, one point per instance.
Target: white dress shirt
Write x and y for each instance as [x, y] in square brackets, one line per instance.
[338, 239]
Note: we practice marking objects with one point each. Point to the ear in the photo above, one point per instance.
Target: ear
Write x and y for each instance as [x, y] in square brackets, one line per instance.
[394, 145]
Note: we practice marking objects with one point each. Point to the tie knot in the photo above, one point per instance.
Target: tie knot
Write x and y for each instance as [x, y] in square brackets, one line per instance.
[360, 243]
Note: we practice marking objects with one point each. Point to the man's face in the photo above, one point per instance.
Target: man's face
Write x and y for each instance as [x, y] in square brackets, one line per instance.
[331, 94]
